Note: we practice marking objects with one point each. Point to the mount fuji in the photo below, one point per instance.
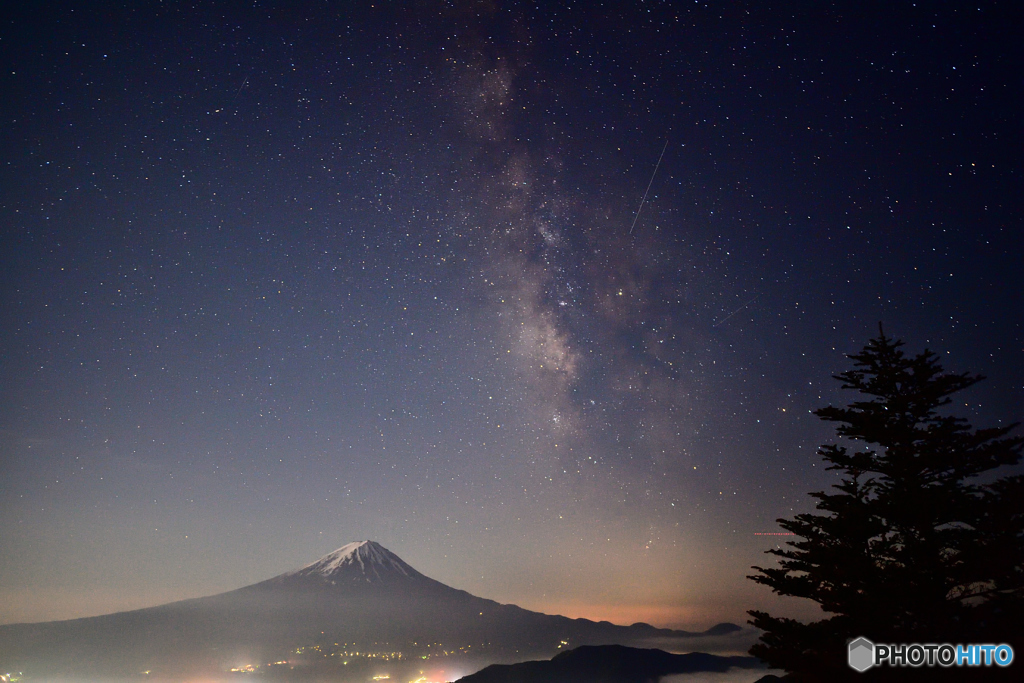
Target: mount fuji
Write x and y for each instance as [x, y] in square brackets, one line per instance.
[354, 609]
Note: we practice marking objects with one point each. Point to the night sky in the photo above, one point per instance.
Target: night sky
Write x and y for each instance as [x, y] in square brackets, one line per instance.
[278, 277]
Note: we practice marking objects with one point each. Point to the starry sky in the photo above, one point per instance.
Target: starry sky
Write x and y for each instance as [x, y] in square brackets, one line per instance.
[275, 277]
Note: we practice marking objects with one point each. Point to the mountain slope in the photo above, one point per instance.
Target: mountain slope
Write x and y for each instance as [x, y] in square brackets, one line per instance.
[360, 598]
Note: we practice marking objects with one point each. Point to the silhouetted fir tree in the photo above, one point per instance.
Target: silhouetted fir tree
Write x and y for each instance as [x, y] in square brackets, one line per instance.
[910, 546]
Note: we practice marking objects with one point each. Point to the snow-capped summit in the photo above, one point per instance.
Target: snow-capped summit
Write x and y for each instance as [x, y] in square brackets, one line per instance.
[360, 560]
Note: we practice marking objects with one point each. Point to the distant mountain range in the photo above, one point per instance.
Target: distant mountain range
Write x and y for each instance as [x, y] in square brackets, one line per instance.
[609, 664]
[351, 612]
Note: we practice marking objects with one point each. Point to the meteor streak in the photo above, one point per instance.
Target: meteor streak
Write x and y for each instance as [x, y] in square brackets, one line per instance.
[736, 311]
[639, 208]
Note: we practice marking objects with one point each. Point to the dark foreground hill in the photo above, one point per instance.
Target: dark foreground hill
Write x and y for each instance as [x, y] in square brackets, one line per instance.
[358, 605]
[609, 664]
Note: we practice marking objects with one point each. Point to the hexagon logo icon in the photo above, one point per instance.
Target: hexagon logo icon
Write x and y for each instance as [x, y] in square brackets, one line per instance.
[861, 654]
